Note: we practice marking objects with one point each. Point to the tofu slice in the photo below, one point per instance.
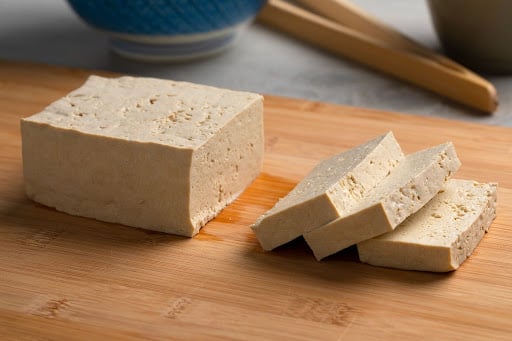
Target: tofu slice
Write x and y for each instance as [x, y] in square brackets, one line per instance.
[409, 186]
[328, 191]
[151, 153]
[441, 235]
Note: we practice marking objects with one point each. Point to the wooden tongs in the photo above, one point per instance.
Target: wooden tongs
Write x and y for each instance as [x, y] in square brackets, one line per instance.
[341, 28]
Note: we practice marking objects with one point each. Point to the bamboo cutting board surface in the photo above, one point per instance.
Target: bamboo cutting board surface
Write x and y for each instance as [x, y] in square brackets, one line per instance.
[66, 277]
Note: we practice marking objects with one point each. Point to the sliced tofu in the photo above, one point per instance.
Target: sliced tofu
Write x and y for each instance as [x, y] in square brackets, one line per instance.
[328, 191]
[441, 235]
[410, 185]
[150, 153]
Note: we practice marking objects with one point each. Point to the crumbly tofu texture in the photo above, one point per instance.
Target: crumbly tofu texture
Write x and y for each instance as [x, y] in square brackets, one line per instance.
[409, 187]
[156, 154]
[440, 236]
[328, 191]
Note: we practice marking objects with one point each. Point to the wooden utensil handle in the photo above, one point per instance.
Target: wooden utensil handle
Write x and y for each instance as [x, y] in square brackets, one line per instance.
[349, 15]
[461, 86]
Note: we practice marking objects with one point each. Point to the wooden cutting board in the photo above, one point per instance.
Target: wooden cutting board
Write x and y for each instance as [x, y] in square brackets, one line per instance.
[66, 277]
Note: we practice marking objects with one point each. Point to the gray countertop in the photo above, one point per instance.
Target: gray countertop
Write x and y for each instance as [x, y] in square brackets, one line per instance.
[262, 60]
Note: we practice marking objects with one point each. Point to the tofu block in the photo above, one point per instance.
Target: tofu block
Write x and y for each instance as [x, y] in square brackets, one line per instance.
[410, 185]
[328, 191]
[157, 154]
[441, 235]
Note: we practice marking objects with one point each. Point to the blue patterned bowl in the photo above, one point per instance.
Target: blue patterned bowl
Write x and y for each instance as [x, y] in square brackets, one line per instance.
[167, 30]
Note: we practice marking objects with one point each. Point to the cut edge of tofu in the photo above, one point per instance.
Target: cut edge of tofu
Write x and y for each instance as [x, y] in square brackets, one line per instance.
[383, 214]
[279, 225]
[395, 252]
[228, 185]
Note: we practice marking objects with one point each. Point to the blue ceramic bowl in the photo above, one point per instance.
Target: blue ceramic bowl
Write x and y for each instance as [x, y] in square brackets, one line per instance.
[166, 30]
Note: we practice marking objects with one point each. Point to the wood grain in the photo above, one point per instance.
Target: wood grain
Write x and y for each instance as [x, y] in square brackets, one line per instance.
[66, 277]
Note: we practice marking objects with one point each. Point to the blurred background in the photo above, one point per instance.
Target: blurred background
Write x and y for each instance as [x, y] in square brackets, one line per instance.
[262, 60]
